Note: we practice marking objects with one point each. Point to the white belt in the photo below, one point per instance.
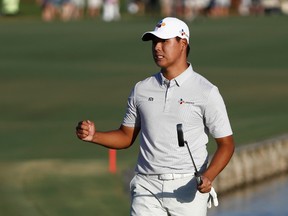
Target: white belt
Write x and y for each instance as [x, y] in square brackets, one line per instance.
[171, 176]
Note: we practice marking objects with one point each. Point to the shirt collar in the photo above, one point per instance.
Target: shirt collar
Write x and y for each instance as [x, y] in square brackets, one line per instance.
[184, 76]
[179, 80]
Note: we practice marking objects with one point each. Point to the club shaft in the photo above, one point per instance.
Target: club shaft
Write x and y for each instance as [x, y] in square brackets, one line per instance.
[197, 174]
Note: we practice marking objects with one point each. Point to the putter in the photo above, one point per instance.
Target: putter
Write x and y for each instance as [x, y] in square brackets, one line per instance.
[181, 143]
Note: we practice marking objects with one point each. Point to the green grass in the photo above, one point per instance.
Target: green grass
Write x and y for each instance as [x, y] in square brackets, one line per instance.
[56, 74]
[60, 188]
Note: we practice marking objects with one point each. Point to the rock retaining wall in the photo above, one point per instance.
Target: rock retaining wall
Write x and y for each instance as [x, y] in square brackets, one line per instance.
[255, 162]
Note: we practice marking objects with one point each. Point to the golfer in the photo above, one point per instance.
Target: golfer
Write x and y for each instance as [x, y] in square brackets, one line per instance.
[164, 182]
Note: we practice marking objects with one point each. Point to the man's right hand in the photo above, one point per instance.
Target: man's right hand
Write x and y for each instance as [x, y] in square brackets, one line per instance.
[85, 130]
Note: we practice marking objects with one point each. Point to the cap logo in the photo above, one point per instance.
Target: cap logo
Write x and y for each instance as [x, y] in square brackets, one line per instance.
[160, 24]
[182, 32]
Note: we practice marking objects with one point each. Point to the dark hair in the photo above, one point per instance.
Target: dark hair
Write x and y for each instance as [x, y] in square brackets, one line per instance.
[188, 50]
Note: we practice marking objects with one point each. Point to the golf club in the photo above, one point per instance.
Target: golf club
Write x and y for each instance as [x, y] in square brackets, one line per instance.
[181, 143]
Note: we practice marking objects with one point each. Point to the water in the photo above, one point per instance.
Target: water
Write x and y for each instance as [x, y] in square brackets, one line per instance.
[268, 198]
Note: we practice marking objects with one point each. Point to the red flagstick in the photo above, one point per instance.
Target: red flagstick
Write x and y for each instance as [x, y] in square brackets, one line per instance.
[112, 161]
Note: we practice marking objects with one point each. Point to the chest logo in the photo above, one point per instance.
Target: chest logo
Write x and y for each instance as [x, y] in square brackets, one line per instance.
[181, 101]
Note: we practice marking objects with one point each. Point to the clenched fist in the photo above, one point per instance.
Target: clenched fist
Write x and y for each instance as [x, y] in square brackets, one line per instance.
[85, 130]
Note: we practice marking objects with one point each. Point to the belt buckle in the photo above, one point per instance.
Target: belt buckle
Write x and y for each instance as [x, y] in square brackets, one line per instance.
[166, 177]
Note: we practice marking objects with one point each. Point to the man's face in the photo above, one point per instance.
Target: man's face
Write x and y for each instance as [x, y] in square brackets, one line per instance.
[166, 52]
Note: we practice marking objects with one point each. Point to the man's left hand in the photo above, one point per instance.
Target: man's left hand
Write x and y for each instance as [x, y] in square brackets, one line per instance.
[206, 185]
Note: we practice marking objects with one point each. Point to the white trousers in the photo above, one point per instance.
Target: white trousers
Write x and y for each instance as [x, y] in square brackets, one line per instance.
[152, 195]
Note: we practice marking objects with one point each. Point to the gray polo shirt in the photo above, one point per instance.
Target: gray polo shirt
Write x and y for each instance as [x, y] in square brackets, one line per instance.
[157, 105]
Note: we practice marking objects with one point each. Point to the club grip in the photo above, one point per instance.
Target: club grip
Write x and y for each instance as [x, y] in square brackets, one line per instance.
[198, 178]
[180, 135]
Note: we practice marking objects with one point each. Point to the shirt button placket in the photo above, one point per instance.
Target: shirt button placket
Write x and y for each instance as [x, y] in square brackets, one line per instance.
[168, 96]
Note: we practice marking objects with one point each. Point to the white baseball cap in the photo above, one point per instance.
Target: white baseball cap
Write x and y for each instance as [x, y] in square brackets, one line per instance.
[167, 28]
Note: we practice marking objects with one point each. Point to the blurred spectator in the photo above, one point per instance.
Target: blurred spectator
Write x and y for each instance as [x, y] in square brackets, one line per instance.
[256, 7]
[174, 8]
[52, 9]
[178, 8]
[111, 10]
[10, 7]
[67, 10]
[271, 6]
[136, 6]
[244, 7]
[194, 7]
[152, 6]
[48, 10]
[93, 7]
[221, 8]
[166, 7]
[284, 7]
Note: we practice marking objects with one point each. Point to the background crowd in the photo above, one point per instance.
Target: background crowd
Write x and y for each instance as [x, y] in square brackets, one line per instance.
[111, 10]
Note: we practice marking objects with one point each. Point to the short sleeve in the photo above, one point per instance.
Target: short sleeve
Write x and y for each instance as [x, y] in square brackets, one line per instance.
[215, 114]
[131, 118]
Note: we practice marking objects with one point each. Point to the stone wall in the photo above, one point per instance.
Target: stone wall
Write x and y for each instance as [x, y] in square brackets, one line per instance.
[253, 163]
